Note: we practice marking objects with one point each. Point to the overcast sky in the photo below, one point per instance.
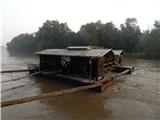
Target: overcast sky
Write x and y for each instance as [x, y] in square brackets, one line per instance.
[26, 16]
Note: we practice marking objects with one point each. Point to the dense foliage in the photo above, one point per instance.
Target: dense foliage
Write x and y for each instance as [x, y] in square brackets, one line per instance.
[22, 44]
[54, 34]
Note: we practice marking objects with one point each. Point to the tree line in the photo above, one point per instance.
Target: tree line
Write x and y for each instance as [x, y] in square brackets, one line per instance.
[54, 34]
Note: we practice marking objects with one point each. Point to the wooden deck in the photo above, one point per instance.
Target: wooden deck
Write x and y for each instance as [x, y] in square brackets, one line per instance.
[76, 78]
[107, 77]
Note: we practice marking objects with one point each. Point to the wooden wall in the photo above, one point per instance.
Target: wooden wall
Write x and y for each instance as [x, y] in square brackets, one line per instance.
[49, 62]
[100, 68]
[77, 66]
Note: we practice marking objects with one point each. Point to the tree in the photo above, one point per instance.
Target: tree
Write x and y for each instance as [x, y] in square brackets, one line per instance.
[98, 34]
[152, 46]
[91, 32]
[109, 36]
[52, 35]
[74, 39]
[130, 35]
[22, 44]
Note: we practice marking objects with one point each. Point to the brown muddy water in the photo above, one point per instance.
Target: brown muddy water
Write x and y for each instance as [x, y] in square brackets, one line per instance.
[132, 97]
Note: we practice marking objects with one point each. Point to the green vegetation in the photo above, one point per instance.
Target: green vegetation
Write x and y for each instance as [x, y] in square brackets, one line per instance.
[52, 35]
[151, 41]
[22, 44]
[128, 37]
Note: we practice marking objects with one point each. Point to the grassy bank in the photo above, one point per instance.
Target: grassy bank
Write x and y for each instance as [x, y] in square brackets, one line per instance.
[142, 56]
[135, 55]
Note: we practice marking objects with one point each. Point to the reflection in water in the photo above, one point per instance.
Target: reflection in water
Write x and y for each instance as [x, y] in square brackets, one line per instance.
[133, 96]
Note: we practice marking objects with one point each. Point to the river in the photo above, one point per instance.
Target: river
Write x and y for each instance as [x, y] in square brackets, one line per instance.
[131, 97]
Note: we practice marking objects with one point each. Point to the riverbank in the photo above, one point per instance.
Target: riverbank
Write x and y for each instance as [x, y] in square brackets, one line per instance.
[141, 55]
[135, 55]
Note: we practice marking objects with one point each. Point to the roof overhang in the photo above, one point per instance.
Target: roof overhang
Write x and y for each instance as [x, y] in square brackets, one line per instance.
[92, 53]
[118, 52]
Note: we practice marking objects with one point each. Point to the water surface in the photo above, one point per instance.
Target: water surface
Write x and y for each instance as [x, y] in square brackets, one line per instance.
[135, 96]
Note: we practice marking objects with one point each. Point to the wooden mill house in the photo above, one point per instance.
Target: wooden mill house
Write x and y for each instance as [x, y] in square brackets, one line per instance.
[84, 63]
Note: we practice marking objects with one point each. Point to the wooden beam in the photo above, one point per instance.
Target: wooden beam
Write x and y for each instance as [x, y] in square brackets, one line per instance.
[30, 75]
[106, 85]
[47, 95]
[8, 71]
[122, 73]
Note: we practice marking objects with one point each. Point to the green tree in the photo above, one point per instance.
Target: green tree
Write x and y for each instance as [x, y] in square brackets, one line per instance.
[22, 44]
[109, 36]
[152, 46]
[52, 35]
[74, 39]
[91, 32]
[130, 35]
[98, 34]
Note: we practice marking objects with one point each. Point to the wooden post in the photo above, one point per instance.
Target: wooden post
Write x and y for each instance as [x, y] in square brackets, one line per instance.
[56, 64]
[90, 70]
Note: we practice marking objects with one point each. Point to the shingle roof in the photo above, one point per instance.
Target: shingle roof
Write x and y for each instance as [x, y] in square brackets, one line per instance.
[80, 53]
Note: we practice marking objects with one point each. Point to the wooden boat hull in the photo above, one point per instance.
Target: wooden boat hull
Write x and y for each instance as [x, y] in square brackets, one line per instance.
[107, 80]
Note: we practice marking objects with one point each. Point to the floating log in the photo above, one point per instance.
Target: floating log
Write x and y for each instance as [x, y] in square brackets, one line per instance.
[8, 71]
[122, 73]
[47, 95]
[30, 75]
[12, 88]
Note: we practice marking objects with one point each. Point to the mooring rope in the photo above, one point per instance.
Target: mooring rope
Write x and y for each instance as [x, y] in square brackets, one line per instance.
[30, 75]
